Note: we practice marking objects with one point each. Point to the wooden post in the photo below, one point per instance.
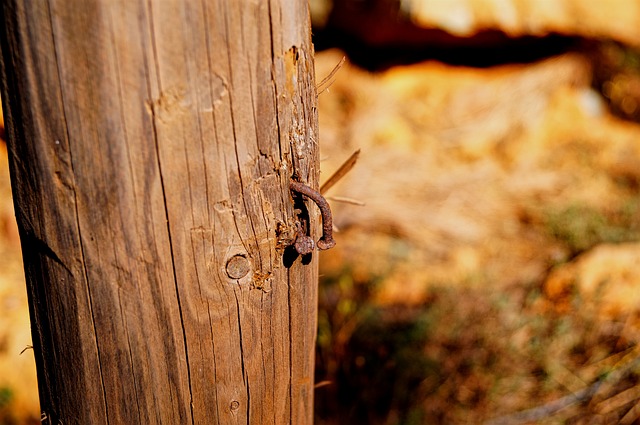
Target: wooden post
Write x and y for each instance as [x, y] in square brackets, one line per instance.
[151, 145]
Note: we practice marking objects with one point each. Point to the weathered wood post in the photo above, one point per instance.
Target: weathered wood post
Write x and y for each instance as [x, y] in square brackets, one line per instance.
[151, 148]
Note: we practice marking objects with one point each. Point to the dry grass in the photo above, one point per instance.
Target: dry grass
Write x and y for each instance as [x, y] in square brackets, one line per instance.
[437, 305]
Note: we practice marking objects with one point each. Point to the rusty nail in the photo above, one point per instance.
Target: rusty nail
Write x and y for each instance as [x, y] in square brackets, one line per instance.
[326, 241]
[303, 244]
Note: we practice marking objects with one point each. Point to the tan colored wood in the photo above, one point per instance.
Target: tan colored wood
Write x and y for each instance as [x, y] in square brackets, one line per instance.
[151, 148]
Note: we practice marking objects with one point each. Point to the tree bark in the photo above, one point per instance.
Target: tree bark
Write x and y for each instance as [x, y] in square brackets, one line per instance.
[151, 145]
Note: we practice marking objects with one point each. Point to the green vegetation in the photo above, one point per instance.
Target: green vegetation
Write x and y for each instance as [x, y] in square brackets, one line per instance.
[581, 227]
[6, 395]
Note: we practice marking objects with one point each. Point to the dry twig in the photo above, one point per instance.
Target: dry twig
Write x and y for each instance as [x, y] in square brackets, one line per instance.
[551, 408]
[326, 80]
[340, 172]
[346, 200]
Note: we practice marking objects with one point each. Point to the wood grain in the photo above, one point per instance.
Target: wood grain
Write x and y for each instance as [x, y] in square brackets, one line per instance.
[150, 143]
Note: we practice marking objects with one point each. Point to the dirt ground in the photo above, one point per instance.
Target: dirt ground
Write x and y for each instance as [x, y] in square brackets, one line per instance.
[493, 268]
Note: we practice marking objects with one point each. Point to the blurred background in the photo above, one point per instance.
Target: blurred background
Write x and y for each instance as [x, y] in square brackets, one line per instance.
[488, 259]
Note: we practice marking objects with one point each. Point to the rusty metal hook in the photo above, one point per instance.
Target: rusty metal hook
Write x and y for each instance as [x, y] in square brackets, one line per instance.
[326, 241]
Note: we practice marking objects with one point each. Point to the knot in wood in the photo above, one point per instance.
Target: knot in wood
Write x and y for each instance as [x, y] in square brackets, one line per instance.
[238, 266]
